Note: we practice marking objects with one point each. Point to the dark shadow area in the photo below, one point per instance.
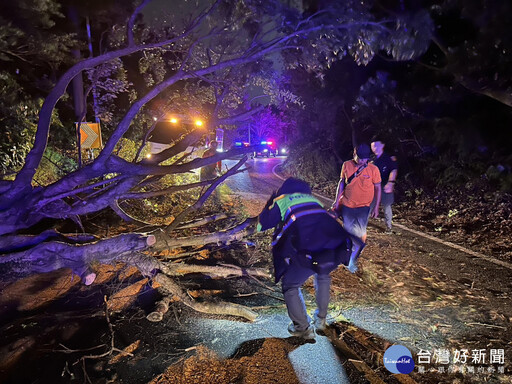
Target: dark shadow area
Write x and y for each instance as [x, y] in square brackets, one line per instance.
[251, 347]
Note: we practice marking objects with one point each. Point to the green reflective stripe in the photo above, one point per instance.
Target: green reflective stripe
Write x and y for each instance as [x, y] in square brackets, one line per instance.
[295, 198]
[258, 227]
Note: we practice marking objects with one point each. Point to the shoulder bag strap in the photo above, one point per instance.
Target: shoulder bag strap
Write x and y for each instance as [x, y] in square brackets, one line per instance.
[355, 174]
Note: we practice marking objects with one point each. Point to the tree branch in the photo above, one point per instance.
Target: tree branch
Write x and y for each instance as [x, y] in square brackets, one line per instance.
[164, 242]
[221, 308]
[180, 269]
[23, 180]
[123, 215]
[205, 220]
[131, 22]
[199, 203]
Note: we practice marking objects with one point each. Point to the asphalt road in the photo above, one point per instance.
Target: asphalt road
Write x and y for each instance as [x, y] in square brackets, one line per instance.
[314, 363]
[258, 180]
[318, 362]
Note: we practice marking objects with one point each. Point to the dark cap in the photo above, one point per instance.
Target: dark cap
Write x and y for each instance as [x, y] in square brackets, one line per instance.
[363, 151]
[293, 185]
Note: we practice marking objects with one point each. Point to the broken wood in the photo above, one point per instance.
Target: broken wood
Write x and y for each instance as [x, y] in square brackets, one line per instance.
[161, 309]
[368, 373]
[168, 286]
[237, 233]
[125, 352]
[179, 269]
[368, 367]
[203, 221]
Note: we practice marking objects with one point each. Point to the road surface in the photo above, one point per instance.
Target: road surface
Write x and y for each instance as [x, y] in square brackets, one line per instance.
[444, 286]
[314, 363]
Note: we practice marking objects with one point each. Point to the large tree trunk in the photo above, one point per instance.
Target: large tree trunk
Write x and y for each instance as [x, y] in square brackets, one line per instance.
[52, 251]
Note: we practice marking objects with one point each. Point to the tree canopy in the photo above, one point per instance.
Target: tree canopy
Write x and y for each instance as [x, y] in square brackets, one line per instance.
[329, 73]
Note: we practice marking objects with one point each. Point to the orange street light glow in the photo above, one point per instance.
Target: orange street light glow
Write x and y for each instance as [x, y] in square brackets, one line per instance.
[174, 120]
[199, 123]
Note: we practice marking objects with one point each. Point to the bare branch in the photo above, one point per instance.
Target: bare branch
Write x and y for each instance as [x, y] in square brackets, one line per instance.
[164, 242]
[240, 117]
[203, 221]
[199, 203]
[179, 269]
[123, 215]
[41, 203]
[221, 308]
[144, 141]
[165, 191]
[131, 22]
[178, 147]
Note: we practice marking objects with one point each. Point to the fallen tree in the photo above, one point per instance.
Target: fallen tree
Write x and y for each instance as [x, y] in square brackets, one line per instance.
[206, 48]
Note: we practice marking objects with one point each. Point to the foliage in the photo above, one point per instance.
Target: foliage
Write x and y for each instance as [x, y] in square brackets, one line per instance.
[31, 51]
[107, 81]
[361, 33]
[215, 62]
[474, 45]
[317, 167]
[272, 123]
[127, 149]
[54, 166]
[441, 133]
[381, 111]
[18, 118]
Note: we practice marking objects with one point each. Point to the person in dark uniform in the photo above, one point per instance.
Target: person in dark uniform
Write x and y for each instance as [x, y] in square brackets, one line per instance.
[388, 172]
[307, 241]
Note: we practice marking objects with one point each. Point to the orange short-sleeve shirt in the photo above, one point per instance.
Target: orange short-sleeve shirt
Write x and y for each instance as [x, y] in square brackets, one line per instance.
[360, 191]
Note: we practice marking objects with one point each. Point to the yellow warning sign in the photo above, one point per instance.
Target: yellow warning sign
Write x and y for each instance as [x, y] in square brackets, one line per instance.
[90, 135]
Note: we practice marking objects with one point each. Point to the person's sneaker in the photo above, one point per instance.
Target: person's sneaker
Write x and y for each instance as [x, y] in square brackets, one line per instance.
[357, 248]
[308, 333]
[389, 231]
[352, 266]
[320, 323]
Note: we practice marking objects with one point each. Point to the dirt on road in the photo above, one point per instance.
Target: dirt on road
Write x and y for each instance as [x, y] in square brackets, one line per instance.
[409, 290]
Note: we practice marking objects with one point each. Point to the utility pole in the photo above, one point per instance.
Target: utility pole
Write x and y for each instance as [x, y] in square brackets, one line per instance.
[94, 93]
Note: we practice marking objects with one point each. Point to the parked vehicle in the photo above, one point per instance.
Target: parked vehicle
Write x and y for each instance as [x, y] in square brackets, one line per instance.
[266, 148]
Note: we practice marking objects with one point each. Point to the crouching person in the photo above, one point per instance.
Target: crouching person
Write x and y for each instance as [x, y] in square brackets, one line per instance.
[307, 241]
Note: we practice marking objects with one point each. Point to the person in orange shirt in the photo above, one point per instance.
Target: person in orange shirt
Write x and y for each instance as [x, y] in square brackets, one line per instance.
[359, 183]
